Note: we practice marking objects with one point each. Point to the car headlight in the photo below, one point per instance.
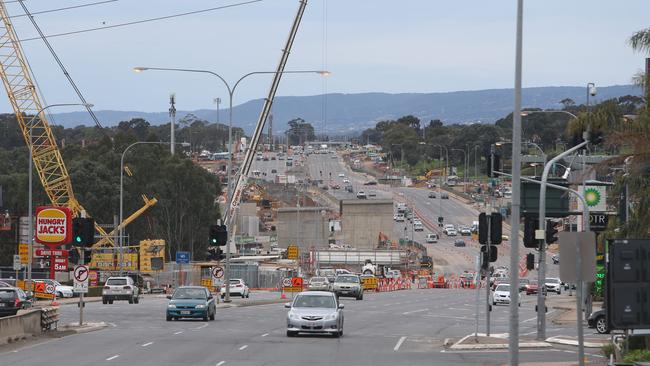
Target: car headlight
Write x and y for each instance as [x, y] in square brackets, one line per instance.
[293, 316]
[200, 306]
[171, 306]
[331, 316]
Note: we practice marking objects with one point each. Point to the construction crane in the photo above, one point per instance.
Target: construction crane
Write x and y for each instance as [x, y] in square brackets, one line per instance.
[17, 80]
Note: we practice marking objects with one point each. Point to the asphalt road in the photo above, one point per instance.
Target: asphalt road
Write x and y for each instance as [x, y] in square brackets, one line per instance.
[396, 328]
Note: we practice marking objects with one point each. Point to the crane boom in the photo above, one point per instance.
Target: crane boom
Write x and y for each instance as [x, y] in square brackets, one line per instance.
[26, 104]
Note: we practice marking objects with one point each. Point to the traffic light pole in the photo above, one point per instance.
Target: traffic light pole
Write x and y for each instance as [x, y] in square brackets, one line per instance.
[487, 272]
[541, 235]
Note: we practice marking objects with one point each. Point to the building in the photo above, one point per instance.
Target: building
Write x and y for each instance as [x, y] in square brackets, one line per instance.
[306, 227]
[363, 220]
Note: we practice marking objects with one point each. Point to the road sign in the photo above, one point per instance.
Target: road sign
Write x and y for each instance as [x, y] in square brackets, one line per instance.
[49, 252]
[40, 290]
[294, 284]
[292, 252]
[23, 251]
[49, 288]
[17, 264]
[53, 226]
[60, 264]
[286, 282]
[217, 272]
[568, 242]
[182, 257]
[81, 274]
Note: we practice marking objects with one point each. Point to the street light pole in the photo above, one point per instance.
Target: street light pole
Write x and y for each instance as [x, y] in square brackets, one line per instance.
[231, 92]
[30, 213]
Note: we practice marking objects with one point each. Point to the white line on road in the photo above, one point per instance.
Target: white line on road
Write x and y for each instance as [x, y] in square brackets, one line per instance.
[112, 324]
[221, 363]
[147, 344]
[112, 357]
[265, 334]
[179, 332]
[203, 326]
[399, 343]
[414, 311]
[243, 347]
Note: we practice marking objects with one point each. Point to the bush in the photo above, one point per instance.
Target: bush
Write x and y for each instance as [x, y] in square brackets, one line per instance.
[637, 355]
[607, 350]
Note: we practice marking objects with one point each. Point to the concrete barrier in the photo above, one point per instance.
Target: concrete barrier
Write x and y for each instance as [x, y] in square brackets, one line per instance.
[24, 324]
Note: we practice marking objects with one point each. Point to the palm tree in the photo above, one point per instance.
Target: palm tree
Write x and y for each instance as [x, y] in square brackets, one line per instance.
[640, 42]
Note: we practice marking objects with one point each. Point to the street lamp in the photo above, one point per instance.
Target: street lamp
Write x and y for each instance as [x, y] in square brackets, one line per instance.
[30, 214]
[231, 92]
[526, 113]
[121, 227]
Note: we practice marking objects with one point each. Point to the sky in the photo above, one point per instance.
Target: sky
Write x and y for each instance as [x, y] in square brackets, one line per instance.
[393, 46]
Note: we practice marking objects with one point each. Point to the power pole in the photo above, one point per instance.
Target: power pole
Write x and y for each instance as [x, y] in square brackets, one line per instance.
[217, 101]
[172, 115]
[271, 131]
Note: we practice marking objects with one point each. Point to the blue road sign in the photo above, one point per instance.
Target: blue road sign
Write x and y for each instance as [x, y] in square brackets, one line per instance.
[182, 257]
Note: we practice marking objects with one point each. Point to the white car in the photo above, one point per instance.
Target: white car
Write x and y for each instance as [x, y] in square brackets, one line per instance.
[237, 287]
[120, 288]
[465, 231]
[346, 180]
[501, 295]
[361, 195]
[449, 230]
[432, 238]
[399, 218]
[553, 285]
[59, 289]
[417, 226]
[341, 175]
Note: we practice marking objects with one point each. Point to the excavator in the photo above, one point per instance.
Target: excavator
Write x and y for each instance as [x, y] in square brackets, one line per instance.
[29, 110]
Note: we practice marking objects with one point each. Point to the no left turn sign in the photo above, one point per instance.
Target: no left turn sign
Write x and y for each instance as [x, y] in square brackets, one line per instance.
[217, 272]
[81, 273]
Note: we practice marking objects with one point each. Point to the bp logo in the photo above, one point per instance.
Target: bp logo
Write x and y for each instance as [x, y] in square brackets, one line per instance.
[592, 196]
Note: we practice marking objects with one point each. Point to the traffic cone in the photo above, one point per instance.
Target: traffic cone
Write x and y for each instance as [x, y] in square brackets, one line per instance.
[282, 295]
[54, 302]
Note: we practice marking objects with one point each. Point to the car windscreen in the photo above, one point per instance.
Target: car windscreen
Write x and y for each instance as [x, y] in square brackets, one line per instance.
[7, 294]
[116, 282]
[235, 282]
[190, 293]
[312, 301]
[318, 279]
[503, 288]
[347, 279]
[552, 280]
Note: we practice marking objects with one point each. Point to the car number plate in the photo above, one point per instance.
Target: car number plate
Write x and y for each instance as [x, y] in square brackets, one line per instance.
[185, 312]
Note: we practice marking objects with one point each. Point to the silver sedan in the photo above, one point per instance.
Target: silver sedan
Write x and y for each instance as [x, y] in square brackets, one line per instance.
[315, 312]
[319, 284]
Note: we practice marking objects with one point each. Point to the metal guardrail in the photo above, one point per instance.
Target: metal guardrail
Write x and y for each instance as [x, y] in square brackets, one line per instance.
[49, 318]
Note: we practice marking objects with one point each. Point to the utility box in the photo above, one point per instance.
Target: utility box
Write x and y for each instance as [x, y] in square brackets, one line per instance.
[557, 201]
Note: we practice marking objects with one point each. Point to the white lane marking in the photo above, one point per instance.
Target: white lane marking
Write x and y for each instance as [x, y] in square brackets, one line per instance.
[203, 326]
[147, 344]
[399, 343]
[415, 311]
[112, 357]
[112, 324]
[179, 332]
[265, 334]
[221, 363]
[243, 347]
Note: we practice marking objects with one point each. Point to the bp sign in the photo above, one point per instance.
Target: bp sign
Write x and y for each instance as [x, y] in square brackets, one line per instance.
[53, 226]
[596, 198]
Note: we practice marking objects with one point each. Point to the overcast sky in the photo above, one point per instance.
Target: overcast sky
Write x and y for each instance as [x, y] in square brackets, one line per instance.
[371, 46]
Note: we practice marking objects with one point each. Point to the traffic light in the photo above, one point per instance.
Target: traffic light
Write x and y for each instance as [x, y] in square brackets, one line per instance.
[491, 254]
[218, 235]
[495, 228]
[530, 225]
[215, 254]
[485, 260]
[496, 158]
[73, 255]
[483, 224]
[530, 261]
[552, 228]
[83, 231]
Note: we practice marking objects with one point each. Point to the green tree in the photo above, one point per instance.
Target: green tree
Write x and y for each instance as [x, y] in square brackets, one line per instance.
[300, 131]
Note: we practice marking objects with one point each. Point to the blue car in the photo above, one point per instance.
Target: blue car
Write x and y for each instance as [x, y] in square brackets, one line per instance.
[191, 302]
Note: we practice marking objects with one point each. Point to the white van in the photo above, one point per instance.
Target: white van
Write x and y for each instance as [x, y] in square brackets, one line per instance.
[432, 238]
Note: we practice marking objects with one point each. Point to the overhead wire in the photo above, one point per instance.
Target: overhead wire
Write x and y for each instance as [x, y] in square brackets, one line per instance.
[58, 61]
[65, 8]
[140, 21]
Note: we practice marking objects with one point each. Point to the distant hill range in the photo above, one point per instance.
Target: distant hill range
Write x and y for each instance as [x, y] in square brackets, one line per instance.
[351, 113]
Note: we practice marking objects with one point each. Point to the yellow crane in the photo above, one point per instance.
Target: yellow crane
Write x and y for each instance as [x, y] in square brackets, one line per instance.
[17, 80]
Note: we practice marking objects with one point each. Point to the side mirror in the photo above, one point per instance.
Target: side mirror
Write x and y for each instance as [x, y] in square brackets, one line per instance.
[287, 305]
[169, 297]
[210, 297]
[341, 306]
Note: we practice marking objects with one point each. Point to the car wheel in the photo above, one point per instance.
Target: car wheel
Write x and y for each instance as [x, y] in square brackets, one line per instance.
[291, 333]
[131, 301]
[169, 318]
[212, 316]
[601, 325]
[248, 295]
[104, 301]
[59, 295]
[336, 334]
[559, 292]
[136, 300]
[243, 296]
[110, 302]
[494, 303]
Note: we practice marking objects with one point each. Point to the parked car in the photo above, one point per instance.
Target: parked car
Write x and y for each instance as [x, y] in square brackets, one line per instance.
[432, 194]
[319, 284]
[59, 289]
[120, 288]
[191, 302]
[372, 193]
[237, 288]
[348, 285]
[553, 285]
[371, 183]
[361, 195]
[13, 299]
[315, 312]
[432, 238]
[597, 320]
[273, 171]
[501, 295]
[459, 243]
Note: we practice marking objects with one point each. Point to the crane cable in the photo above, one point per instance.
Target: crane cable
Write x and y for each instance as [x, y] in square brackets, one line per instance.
[58, 61]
